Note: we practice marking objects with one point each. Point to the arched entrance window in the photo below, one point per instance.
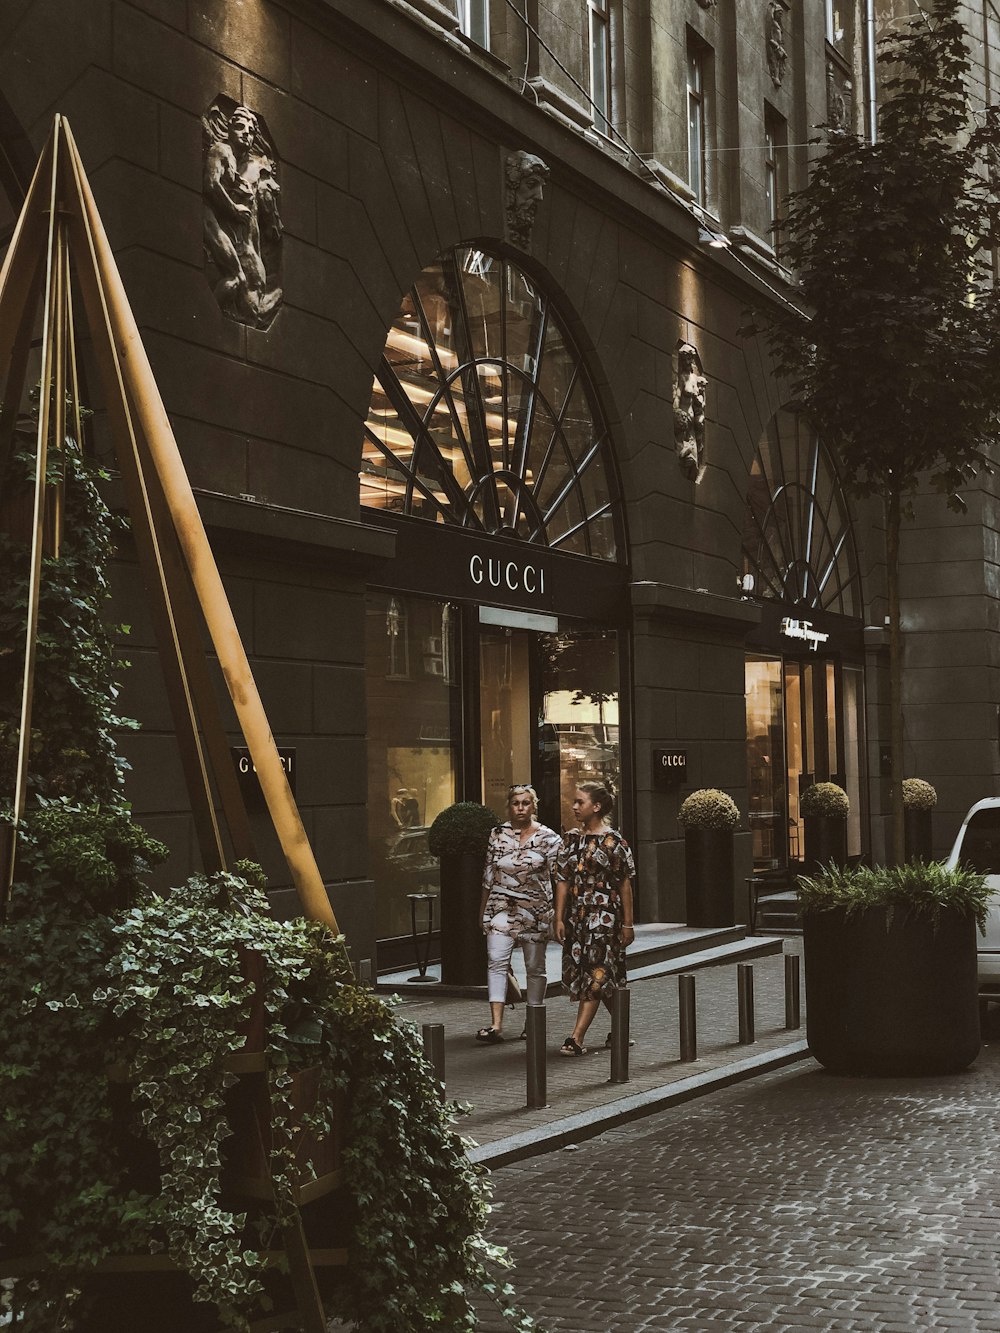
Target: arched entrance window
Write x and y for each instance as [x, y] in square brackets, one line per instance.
[483, 414]
[798, 546]
[494, 635]
[804, 670]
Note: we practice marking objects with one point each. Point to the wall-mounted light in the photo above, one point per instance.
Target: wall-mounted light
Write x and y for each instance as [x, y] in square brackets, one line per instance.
[712, 239]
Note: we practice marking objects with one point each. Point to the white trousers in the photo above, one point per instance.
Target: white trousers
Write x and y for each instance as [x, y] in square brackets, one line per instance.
[499, 948]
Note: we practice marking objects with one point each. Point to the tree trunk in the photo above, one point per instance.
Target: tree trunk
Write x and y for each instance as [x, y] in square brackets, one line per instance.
[897, 841]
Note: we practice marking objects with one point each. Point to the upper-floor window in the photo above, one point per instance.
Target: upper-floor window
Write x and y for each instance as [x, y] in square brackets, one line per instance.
[699, 77]
[836, 26]
[600, 63]
[474, 20]
[775, 172]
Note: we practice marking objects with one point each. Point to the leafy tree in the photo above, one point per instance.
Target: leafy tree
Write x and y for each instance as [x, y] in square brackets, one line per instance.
[899, 366]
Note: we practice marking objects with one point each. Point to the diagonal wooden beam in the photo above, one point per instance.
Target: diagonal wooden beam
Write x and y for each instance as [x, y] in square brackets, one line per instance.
[154, 426]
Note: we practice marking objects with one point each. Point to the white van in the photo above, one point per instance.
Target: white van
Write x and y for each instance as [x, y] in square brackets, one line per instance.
[978, 846]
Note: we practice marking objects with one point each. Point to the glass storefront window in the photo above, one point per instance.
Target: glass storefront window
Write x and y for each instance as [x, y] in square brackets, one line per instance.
[413, 730]
[766, 761]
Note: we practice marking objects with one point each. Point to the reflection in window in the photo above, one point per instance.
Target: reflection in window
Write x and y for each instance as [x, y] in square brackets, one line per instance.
[798, 545]
[579, 735]
[981, 845]
[482, 414]
[767, 813]
[600, 64]
[413, 732]
[474, 20]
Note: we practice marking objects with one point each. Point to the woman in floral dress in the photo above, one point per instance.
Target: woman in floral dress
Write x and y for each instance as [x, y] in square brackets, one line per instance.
[593, 908]
[517, 902]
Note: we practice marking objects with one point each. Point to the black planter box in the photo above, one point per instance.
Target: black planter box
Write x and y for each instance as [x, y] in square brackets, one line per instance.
[826, 841]
[917, 835]
[708, 877]
[896, 999]
[463, 944]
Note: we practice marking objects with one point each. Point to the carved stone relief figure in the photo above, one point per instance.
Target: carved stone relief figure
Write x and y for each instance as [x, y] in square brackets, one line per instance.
[690, 390]
[838, 93]
[777, 56]
[242, 223]
[525, 176]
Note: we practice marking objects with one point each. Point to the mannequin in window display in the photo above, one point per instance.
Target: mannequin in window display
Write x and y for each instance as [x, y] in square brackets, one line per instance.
[517, 904]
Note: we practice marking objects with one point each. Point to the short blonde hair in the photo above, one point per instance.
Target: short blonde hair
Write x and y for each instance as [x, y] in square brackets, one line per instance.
[526, 787]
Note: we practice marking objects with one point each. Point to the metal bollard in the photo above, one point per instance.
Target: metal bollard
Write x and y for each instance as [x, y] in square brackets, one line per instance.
[688, 1017]
[620, 1005]
[744, 991]
[365, 973]
[433, 1035]
[793, 1011]
[534, 1023]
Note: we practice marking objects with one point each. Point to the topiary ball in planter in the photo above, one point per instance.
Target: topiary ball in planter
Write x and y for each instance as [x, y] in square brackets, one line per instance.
[919, 800]
[459, 836]
[708, 818]
[824, 807]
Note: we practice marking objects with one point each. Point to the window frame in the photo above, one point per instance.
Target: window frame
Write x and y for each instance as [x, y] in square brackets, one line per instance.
[775, 173]
[698, 109]
[474, 21]
[601, 20]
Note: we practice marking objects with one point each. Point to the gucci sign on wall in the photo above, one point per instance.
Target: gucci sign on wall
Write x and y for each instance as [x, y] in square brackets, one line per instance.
[509, 575]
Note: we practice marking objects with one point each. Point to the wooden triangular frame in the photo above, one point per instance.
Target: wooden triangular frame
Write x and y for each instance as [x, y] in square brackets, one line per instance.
[59, 236]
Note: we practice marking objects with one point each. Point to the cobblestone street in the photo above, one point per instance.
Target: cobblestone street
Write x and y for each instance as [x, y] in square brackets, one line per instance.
[801, 1200]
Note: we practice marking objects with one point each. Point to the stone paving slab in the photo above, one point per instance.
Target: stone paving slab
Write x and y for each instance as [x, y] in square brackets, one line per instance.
[801, 1200]
[492, 1079]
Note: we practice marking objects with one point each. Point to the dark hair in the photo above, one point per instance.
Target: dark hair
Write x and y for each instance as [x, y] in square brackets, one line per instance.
[601, 795]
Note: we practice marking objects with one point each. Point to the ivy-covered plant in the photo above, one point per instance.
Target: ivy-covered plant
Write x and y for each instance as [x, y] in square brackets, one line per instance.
[825, 799]
[925, 889]
[75, 715]
[462, 829]
[122, 1011]
[918, 794]
[709, 809]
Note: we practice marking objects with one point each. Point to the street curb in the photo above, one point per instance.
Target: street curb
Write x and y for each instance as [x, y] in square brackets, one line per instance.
[588, 1124]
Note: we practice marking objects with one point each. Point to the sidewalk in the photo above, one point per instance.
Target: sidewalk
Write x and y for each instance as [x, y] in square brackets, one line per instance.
[582, 1101]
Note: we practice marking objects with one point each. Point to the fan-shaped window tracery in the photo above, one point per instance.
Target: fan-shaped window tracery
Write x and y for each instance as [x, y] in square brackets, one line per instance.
[483, 414]
[798, 544]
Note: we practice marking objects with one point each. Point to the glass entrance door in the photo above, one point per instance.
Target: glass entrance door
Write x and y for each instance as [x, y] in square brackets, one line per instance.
[505, 714]
[805, 724]
[548, 714]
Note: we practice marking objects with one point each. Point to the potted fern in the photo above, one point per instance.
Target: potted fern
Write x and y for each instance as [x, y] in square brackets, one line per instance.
[824, 807]
[890, 964]
[919, 800]
[459, 836]
[708, 818]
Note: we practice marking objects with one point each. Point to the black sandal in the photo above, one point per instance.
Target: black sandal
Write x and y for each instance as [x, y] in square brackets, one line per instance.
[571, 1047]
[490, 1036]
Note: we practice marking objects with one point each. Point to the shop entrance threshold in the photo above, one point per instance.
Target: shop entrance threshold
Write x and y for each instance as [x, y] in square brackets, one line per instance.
[660, 948]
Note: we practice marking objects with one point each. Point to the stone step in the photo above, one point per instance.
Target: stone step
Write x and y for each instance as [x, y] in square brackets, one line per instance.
[734, 951]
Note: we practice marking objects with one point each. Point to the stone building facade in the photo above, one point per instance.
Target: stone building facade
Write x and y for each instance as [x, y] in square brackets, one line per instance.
[445, 300]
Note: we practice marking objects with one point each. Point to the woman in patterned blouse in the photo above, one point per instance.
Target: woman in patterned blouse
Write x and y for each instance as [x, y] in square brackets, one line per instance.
[517, 902]
[593, 909]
